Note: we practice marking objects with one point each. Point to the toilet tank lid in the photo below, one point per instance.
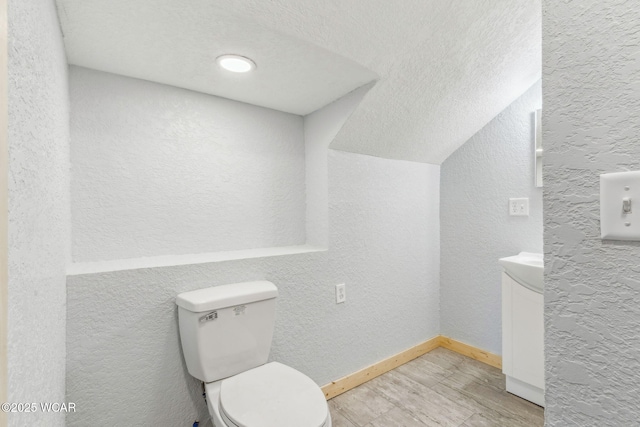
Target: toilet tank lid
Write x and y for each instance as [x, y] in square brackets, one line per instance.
[217, 297]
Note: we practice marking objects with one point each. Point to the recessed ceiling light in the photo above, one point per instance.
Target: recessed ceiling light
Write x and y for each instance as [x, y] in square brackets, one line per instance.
[235, 63]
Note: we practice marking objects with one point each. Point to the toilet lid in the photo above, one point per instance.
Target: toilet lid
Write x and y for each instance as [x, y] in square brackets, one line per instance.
[273, 395]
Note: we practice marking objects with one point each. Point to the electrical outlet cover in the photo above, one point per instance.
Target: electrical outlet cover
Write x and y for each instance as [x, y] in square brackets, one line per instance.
[519, 207]
[341, 295]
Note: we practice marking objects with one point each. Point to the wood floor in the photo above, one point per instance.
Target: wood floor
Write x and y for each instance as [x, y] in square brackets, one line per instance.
[441, 388]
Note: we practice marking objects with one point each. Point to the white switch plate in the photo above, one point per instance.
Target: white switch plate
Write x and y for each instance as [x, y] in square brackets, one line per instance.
[615, 224]
[341, 295]
[519, 207]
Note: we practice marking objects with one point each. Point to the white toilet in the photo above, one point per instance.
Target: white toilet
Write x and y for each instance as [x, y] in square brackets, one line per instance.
[226, 336]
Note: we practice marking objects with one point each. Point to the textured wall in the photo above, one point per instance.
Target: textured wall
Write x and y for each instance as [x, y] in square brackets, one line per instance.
[160, 170]
[320, 128]
[592, 296]
[38, 208]
[124, 356]
[476, 229]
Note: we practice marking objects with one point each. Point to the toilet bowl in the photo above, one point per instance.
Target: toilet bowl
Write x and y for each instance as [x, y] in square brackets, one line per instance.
[270, 395]
[226, 334]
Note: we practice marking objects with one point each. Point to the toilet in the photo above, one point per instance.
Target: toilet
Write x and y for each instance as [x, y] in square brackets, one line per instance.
[226, 334]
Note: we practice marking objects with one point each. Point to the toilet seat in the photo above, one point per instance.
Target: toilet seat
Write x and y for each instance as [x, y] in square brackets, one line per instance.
[272, 395]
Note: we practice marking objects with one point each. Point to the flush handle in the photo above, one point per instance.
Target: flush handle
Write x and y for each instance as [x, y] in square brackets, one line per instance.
[626, 205]
[209, 316]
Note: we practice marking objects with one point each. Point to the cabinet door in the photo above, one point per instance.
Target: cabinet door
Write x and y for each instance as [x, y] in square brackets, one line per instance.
[523, 329]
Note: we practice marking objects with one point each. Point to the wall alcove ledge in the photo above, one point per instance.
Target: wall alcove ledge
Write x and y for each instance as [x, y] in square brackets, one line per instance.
[95, 267]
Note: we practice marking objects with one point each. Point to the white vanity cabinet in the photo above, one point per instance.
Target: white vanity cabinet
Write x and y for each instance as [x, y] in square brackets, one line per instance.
[523, 340]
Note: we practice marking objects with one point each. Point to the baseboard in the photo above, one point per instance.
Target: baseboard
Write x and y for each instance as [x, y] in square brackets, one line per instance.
[338, 387]
[360, 377]
[471, 351]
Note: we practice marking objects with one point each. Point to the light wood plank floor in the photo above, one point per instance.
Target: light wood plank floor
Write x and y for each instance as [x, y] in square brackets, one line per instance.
[441, 388]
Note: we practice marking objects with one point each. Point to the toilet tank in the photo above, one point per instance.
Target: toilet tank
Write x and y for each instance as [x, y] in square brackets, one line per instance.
[226, 329]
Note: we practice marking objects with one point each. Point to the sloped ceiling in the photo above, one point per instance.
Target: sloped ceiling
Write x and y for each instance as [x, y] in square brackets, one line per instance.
[445, 68]
[176, 42]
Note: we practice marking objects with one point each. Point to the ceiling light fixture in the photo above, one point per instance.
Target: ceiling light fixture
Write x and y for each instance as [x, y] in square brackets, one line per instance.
[236, 63]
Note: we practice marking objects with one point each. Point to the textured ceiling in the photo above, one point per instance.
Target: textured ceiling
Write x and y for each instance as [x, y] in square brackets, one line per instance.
[445, 68]
[177, 42]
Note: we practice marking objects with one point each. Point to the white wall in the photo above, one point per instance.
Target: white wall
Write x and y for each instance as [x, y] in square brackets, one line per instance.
[592, 288]
[160, 170]
[125, 359]
[38, 208]
[320, 128]
[476, 229]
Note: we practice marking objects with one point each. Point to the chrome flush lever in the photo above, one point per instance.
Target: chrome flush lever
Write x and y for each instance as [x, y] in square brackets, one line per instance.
[626, 205]
[209, 316]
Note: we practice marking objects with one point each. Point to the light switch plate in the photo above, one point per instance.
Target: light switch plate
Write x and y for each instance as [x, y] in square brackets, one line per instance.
[615, 223]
